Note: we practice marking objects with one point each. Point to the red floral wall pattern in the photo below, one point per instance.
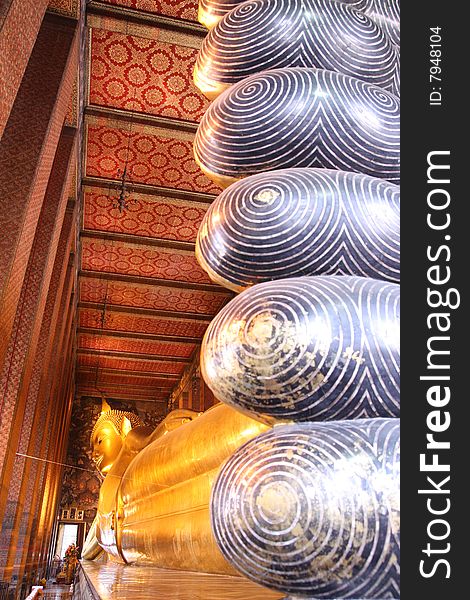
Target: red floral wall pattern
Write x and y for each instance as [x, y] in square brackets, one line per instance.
[163, 158]
[150, 366]
[89, 317]
[115, 344]
[150, 216]
[140, 260]
[143, 75]
[158, 298]
[185, 9]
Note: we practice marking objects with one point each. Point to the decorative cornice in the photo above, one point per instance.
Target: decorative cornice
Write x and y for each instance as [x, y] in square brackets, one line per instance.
[151, 190]
[103, 276]
[166, 314]
[160, 377]
[139, 336]
[136, 239]
[129, 116]
[133, 356]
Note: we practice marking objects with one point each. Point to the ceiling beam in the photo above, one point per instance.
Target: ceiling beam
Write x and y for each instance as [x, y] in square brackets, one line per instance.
[127, 396]
[141, 390]
[150, 190]
[145, 18]
[173, 377]
[158, 392]
[147, 312]
[121, 278]
[139, 336]
[130, 116]
[132, 356]
[136, 239]
[162, 378]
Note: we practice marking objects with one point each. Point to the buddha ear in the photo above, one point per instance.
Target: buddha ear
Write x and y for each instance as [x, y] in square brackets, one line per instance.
[126, 426]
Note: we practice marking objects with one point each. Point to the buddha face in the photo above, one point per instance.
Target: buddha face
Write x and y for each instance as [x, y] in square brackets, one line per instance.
[107, 444]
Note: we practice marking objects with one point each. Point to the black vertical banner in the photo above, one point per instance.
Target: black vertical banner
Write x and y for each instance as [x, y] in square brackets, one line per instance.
[434, 250]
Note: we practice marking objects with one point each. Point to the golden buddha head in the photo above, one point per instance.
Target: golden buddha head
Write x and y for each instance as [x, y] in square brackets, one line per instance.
[108, 435]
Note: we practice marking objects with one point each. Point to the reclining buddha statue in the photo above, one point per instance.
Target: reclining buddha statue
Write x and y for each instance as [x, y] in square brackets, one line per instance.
[154, 500]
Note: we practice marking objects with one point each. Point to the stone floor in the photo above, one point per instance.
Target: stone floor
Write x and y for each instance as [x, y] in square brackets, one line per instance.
[120, 582]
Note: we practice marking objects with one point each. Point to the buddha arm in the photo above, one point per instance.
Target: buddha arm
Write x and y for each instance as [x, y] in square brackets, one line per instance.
[91, 548]
[173, 420]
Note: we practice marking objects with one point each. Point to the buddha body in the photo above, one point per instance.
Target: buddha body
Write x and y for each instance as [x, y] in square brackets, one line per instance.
[154, 501]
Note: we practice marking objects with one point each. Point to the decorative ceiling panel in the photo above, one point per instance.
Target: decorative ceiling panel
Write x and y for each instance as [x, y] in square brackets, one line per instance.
[141, 260]
[152, 297]
[88, 377]
[184, 9]
[144, 75]
[149, 216]
[120, 389]
[119, 393]
[69, 8]
[116, 344]
[129, 364]
[92, 318]
[155, 156]
[138, 263]
[147, 28]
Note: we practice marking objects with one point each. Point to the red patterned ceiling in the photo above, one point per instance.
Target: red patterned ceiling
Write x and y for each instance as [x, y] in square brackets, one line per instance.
[141, 260]
[153, 385]
[184, 9]
[144, 296]
[115, 321]
[126, 364]
[155, 156]
[139, 74]
[145, 303]
[149, 216]
[117, 344]
[87, 375]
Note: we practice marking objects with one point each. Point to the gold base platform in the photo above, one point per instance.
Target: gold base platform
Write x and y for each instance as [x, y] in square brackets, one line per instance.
[110, 581]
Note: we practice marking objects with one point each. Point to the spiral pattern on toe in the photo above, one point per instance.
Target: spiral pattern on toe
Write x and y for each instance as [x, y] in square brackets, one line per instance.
[297, 222]
[314, 509]
[300, 118]
[307, 349]
[385, 13]
[268, 34]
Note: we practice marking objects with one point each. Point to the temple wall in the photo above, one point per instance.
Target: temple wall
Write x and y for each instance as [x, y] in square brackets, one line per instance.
[38, 271]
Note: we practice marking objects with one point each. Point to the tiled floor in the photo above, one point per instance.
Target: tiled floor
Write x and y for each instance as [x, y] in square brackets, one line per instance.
[121, 582]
